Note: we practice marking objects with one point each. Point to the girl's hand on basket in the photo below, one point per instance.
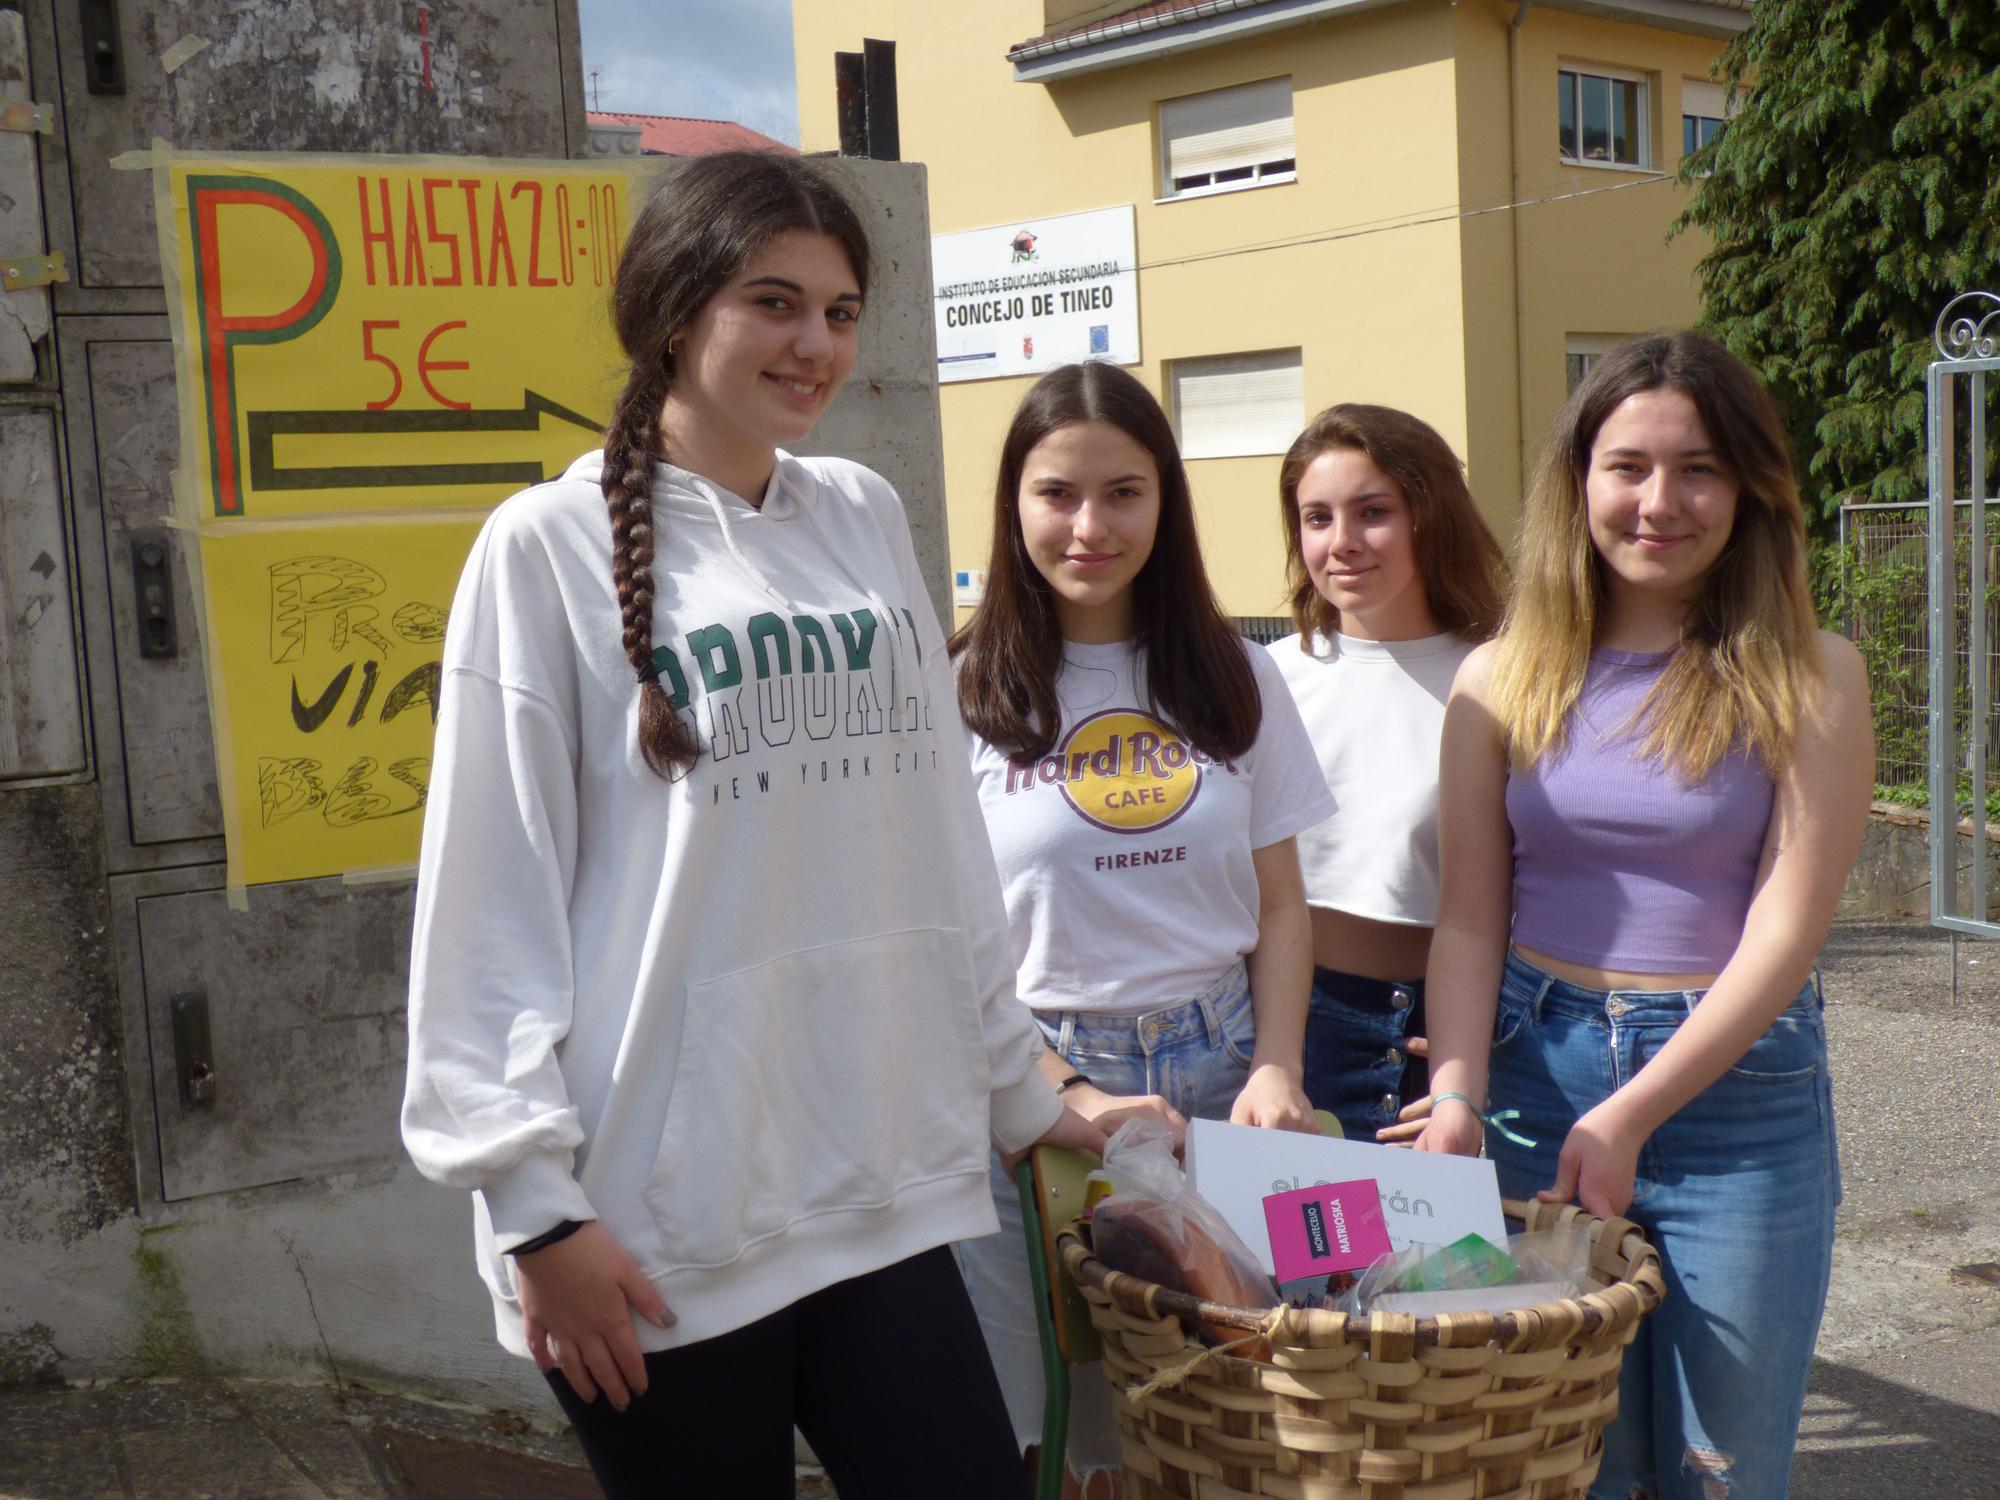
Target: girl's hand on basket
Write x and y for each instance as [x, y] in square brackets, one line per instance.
[577, 1299]
[1599, 1159]
[1108, 1111]
[1273, 1100]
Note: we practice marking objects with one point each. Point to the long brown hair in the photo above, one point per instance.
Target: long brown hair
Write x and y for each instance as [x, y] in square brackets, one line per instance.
[1198, 678]
[1747, 665]
[705, 221]
[1459, 561]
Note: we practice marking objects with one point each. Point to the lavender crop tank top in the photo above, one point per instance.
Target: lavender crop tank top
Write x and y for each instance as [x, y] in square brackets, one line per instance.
[1618, 862]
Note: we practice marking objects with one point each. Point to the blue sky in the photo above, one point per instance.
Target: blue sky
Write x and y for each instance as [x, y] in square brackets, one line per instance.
[713, 59]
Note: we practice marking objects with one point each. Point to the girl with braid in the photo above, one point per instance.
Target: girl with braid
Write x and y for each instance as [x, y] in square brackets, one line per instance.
[711, 1000]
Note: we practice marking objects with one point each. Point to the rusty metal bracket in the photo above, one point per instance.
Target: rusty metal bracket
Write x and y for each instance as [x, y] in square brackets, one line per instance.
[30, 119]
[25, 271]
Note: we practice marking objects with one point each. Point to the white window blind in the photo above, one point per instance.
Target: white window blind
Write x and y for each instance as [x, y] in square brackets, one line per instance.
[1703, 100]
[1227, 137]
[1236, 404]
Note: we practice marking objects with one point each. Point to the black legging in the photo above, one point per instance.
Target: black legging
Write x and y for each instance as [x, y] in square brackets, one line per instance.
[886, 1375]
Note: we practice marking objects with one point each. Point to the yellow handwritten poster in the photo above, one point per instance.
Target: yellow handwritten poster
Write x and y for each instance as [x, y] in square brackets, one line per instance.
[370, 353]
[325, 643]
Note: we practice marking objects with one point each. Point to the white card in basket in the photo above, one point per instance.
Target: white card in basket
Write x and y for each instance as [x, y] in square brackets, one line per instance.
[1427, 1198]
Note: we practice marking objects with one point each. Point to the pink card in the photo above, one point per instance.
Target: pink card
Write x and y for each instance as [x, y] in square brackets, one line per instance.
[1335, 1226]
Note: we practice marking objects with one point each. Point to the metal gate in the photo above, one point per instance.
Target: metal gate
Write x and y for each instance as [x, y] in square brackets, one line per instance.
[1967, 336]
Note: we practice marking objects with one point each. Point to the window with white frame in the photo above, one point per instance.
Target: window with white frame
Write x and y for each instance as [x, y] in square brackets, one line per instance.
[1227, 139]
[1704, 106]
[1232, 405]
[1604, 117]
[1582, 350]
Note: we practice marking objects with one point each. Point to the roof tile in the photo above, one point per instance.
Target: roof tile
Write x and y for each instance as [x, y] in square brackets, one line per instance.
[679, 135]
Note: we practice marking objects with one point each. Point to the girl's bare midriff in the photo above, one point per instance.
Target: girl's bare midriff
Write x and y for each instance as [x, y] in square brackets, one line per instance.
[1395, 951]
[1613, 979]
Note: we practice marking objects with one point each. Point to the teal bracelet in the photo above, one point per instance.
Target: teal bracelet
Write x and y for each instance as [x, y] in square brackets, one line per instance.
[1497, 1119]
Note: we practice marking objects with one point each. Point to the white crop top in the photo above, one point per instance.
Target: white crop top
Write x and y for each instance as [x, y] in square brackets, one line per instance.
[1375, 712]
[1124, 854]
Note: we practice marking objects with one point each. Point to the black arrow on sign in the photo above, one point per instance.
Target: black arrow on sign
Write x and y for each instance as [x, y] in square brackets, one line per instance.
[267, 426]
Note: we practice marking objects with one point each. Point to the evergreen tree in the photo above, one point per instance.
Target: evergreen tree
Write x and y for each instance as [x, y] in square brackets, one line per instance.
[1856, 191]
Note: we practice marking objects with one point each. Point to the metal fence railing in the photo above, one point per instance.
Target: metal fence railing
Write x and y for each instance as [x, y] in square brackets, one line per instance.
[1264, 629]
[1884, 590]
[1963, 568]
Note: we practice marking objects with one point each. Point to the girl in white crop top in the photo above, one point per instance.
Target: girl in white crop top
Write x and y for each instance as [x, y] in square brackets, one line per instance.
[1394, 579]
[1143, 773]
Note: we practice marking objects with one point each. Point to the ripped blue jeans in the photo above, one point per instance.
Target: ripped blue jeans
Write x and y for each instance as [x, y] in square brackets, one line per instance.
[1737, 1192]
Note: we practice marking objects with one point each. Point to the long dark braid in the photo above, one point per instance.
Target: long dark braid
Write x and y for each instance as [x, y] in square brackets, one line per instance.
[704, 222]
[665, 738]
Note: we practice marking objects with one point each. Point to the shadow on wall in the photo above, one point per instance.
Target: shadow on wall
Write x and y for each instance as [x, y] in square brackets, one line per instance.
[1866, 1437]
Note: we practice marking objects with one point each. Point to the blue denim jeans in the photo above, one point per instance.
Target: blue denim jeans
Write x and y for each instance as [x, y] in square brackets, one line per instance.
[1737, 1192]
[1355, 1065]
[1196, 1055]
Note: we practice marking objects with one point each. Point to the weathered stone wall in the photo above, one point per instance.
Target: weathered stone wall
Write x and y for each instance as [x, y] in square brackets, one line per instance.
[1892, 875]
[65, 1141]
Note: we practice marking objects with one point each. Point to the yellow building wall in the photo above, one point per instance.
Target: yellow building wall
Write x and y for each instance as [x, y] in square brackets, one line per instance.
[1374, 309]
[1600, 263]
[1402, 119]
[1487, 260]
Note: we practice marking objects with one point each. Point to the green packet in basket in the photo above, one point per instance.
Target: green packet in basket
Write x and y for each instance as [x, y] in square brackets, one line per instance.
[1466, 1262]
[1429, 1279]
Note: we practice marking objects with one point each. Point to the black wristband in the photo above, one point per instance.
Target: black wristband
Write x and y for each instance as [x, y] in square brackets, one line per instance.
[1071, 1082]
[550, 1237]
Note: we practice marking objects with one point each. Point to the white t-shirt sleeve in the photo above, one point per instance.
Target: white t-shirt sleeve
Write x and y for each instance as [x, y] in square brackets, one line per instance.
[1288, 791]
[1024, 1106]
[485, 1105]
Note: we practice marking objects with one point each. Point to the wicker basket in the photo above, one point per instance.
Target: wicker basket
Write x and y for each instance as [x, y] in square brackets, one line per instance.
[1507, 1406]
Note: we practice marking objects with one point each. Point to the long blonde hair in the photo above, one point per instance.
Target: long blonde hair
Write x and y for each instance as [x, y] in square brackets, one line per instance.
[1747, 666]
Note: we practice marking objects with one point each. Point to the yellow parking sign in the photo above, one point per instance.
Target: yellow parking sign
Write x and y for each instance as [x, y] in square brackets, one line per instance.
[370, 353]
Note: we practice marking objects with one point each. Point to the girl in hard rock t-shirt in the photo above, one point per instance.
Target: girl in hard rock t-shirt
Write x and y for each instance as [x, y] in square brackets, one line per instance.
[1143, 772]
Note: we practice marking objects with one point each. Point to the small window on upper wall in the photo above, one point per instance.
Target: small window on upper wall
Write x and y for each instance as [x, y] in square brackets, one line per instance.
[1581, 351]
[1227, 139]
[1603, 117]
[1704, 106]
[1233, 405]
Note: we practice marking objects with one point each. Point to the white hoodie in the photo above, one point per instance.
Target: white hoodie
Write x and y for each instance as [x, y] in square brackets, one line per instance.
[759, 1020]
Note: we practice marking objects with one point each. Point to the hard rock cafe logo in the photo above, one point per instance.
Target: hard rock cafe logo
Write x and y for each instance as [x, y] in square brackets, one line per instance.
[1121, 771]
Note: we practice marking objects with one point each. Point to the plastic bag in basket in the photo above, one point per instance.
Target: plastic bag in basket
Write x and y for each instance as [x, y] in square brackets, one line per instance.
[1154, 1226]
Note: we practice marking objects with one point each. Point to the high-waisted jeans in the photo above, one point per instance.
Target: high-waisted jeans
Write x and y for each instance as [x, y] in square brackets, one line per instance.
[1737, 1192]
[1196, 1055]
[1356, 1067]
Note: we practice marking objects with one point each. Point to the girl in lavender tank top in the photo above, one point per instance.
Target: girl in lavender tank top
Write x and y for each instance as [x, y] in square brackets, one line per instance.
[1654, 782]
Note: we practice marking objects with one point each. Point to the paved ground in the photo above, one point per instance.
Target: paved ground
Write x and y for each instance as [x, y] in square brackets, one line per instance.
[1906, 1394]
[243, 1440]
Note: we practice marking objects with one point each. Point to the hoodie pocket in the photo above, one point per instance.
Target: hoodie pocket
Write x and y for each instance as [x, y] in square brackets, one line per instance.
[824, 1080]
